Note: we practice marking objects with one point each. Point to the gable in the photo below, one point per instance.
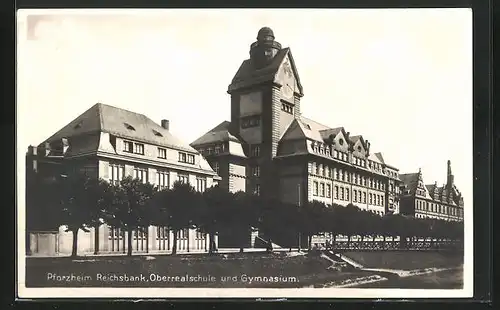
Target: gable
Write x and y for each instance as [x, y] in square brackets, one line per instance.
[287, 73]
[358, 148]
[341, 141]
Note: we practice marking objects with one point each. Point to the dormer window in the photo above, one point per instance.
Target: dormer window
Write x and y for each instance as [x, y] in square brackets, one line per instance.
[158, 134]
[128, 126]
[78, 125]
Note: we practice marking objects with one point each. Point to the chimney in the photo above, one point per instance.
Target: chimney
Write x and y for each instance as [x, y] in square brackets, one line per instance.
[165, 124]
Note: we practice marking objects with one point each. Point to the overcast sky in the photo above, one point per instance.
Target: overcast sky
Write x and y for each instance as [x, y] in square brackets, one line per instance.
[401, 78]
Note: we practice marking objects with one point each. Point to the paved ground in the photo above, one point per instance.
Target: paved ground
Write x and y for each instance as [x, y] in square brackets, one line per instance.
[449, 279]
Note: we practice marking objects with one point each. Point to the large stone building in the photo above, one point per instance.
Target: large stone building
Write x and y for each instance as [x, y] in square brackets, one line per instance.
[431, 201]
[111, 143]
[269, 148]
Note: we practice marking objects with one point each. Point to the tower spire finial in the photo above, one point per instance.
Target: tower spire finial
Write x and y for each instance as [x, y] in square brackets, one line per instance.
[449, 175]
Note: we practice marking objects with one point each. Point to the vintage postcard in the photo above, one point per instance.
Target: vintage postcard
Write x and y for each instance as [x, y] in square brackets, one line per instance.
[244, 153]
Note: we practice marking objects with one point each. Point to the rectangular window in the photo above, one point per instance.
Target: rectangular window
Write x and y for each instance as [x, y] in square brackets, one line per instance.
[128, 146]
[257, 190]
[336, 174]
[355, 195]
[315, 188]
[286, 107]
[364, 197]
[336, 192]
[139, 148]
[359, 196]
[317, 169]
[382, 200]
[250, 121]
[322, 189]
[347, 194]
[256, 171]
[371, 198]
[216, 167]
[162, 153]
[217, 149]
[141, 174]
[378, 200]
[201, 184]
[186, 158]
[341, 193]
[328, 191]
[162, 179]
[116, 173]
[255, 150]
[183, 178]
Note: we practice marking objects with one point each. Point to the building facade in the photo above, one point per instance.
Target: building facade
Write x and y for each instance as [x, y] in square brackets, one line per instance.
[111, 143]
[431, 201]
[269, 148]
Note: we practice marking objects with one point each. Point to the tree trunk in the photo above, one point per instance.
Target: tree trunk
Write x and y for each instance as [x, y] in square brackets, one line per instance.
[348, 241]
[211, 246]
[129, 241]
[300, 241]
[214, 246]
[74, 250]
[174, 246]
[146, 230]
[309, 245]
[334, 240]
[96, 239]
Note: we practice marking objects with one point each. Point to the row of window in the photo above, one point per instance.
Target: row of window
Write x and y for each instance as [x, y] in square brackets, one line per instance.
[286, 107]
[186, 158]
[321, 189]
[138, 148]
[162, 180]
[213, 149]
[325, 149]
[250, 121]
[437, 208]
[161, 233]
[345, 176]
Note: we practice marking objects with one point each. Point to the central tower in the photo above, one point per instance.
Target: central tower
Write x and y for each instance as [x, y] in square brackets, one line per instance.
[265, 99]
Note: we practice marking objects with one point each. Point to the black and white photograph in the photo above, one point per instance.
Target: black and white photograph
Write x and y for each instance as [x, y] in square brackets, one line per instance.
[245, 153]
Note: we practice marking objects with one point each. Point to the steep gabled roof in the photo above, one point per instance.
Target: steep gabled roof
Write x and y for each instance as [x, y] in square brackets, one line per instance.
[410, 180]
[219, 133]
[374, 158]
[299, 130]
[248, 74]
[380, 157]
[326, 133]
[313, 124]
[119, 122]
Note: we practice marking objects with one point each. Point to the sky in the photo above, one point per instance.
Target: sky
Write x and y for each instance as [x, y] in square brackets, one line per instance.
[401, 78]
